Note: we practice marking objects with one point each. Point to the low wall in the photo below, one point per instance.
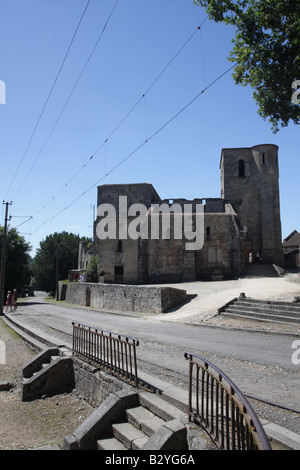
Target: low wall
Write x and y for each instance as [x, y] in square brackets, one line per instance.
[117, 297]
[96, 385]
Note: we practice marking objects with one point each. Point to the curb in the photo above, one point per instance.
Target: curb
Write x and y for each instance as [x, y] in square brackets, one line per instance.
[176, 396]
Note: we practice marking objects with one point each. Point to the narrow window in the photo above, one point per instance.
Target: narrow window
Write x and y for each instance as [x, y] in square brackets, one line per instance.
[263, 158]
[120, 246]
[207, 233]
[241, 168]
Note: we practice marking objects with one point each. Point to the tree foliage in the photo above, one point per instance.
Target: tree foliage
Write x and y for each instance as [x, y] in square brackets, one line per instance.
[266, 52]
[17, 263]
[92, 269]
[57, 250]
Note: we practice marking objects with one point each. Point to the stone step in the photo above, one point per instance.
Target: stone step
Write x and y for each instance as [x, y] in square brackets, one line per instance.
[261, 317]
[144, 420]
[160, 407]
[130, 436]
[40, 361]
[264, 310]
[261, 270]
[282, 306]
[52, 359]
[110, 444]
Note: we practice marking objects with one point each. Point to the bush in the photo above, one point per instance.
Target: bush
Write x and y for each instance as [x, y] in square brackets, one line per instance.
[92, 269]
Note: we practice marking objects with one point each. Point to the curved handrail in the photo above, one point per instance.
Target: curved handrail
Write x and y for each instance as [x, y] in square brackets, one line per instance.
[222, 409]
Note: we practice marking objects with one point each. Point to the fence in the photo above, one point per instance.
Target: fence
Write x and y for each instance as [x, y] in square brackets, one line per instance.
[221, 408]
[113, 352]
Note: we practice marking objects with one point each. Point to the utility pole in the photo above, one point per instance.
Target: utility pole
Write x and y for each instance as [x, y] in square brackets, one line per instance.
[57, 256]
[3, 257]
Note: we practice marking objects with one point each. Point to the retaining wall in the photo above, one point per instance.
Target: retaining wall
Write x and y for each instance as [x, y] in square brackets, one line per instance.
[117, 297]
[95, 385]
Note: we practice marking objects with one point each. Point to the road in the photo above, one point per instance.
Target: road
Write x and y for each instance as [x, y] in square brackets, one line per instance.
[259, 363]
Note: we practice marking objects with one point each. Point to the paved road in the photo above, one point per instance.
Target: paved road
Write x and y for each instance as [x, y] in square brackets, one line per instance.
[259, 363]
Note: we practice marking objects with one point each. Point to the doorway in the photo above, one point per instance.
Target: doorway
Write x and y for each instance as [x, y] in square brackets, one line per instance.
[247, 250]
[88, 297]
[119, 274]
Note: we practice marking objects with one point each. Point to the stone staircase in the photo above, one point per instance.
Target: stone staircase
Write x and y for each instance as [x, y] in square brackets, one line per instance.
[261, 270]
[151, 416]
[129, 420]
[48, 373]
[263, 310]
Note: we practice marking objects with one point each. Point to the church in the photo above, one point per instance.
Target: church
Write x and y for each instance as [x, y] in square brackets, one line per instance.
[134, 246]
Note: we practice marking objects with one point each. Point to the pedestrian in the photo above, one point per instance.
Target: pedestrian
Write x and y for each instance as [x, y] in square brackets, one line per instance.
[258, 258]
[76, 277]
[9, 301]
[14, 299]
[101, 276]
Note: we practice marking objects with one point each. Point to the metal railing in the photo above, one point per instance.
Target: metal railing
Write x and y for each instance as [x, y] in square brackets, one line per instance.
[221, 409]
[113, 352]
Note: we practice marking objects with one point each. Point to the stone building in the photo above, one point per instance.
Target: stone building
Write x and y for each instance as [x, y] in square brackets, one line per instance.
[291, 250]
[244, 220]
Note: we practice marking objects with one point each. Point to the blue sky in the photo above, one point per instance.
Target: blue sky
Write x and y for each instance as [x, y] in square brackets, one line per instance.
[149, 56]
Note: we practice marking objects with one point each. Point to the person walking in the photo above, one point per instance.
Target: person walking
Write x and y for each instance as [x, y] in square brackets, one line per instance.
[9, 301]
[14, 299]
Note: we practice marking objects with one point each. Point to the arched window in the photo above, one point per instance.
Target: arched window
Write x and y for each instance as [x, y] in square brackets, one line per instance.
[241, 168]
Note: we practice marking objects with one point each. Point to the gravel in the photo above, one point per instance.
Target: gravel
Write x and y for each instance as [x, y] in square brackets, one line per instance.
[35, 424]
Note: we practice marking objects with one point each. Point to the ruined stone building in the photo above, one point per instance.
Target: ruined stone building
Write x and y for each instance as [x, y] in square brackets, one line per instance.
[244, 220]
[291, 250]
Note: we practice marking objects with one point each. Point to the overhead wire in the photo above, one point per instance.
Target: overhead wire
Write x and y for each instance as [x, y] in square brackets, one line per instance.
[48, 97]
[126, 116]
[70, 94]
[121, 162]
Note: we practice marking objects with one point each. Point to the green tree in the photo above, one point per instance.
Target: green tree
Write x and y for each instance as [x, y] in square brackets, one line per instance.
[57, 250]
[92, 269]
[266, 52]
[17, 263]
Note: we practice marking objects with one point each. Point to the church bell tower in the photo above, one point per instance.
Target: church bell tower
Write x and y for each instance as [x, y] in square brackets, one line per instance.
[250, 182]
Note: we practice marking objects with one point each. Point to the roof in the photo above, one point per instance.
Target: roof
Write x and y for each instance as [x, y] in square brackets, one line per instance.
[293, 239]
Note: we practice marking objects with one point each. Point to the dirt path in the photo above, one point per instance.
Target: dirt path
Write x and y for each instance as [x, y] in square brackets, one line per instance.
[30, 425]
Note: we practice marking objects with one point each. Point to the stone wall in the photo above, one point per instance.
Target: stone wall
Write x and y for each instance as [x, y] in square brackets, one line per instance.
[95, 385]
[250, 181]
[221, 251]
[117, 297]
